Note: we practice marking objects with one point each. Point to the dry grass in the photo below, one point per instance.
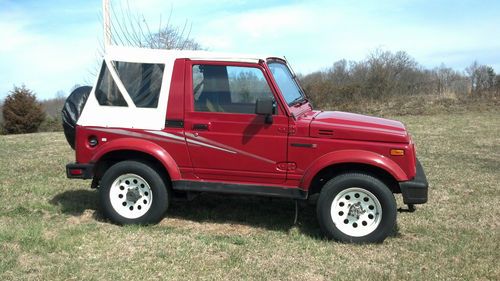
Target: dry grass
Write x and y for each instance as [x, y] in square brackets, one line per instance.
[50, 227]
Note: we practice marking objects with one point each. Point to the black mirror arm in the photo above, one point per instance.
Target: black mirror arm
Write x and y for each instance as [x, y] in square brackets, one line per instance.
[269, 119]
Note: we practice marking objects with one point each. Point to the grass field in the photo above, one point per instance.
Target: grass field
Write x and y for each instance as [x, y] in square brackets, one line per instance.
[51, 229]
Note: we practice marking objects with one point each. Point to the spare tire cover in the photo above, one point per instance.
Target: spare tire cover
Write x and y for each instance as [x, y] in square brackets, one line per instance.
[72, 110]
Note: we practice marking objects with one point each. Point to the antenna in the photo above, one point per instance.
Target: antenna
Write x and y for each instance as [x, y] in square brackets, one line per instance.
[107, 24]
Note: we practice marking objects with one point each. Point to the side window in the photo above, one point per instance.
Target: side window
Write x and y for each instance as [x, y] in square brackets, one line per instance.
[232, 89]
[107, 92]
[142, 81]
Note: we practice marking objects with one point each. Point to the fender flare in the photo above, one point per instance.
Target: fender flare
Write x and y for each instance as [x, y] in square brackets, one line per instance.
[143, 146]
[352, 156]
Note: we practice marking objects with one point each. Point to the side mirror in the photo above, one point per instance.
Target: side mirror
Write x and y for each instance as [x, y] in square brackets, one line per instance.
[265, 106]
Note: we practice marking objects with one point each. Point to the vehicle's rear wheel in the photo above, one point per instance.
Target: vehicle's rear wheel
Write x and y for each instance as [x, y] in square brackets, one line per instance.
[133, 192]
[356, 208]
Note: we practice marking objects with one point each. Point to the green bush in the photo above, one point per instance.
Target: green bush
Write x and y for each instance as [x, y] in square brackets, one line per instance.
[51, 125]
[22, 113]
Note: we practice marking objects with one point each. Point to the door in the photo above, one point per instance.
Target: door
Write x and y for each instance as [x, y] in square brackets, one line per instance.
[226, 140]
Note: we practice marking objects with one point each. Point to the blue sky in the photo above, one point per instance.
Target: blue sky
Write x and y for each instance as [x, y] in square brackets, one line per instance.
[52, 45]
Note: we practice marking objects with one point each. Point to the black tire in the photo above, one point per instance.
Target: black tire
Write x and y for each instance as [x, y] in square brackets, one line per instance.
[160, 193]
[72, 110]
[358, 223]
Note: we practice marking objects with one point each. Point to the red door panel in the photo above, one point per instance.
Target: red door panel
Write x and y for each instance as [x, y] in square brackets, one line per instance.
[236, 147]
[232, 146]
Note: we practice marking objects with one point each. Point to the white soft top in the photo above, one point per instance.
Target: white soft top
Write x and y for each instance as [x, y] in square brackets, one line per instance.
[145, 118]
[157, 55]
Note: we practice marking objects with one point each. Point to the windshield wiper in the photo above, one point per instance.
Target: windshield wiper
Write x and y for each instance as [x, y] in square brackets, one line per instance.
[299, 100]
[304, 100]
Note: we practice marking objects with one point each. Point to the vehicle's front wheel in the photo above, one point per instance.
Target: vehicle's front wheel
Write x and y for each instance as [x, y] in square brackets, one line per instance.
[356, 208]
[133, 192]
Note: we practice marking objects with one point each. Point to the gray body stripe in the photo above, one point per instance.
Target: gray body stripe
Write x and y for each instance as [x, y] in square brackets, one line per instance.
[135, 134]
[236, 150]
[169, 135]
[174, 138]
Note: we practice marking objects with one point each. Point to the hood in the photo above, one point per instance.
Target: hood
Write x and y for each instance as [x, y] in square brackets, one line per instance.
[350, 126]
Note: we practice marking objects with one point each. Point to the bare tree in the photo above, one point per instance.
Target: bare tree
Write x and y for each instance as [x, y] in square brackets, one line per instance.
[482, 77]
[448, 80]
[497, 84]
[130, 28]
[1, 117]
[390, 73]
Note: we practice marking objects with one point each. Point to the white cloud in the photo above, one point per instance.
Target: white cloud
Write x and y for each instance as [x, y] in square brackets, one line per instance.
[262, 24]
[44, 61]
[12, 35]
[295, 30]
[314, 35]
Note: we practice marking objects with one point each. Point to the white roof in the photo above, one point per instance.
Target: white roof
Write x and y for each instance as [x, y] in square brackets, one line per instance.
[157, 55]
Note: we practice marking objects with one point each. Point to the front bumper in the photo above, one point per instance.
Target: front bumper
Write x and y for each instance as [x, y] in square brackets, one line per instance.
[415, 191]
[79, 171]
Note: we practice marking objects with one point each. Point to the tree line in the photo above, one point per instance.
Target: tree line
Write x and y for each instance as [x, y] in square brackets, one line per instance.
[385, 75]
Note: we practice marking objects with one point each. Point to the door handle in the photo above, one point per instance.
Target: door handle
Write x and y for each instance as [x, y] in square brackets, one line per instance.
[200, 127]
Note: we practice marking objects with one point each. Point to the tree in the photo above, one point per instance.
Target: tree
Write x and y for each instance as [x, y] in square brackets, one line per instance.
[497, 84]
[447, 80]
[482, 77]
[390, 73]
[22, 112]
[1, 118]
[129, 28]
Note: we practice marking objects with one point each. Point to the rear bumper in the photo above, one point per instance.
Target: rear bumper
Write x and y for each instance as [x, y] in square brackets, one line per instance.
[79, 171]
[415, 191]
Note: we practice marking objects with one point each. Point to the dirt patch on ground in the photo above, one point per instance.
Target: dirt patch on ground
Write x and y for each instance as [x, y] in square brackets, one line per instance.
[212, 228]
[86, 216]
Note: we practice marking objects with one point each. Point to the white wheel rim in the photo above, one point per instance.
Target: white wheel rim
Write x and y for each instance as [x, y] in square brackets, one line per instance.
[356, 212]
[130, 196]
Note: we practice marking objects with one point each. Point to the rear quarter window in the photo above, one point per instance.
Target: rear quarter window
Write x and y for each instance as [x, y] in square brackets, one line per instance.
[142, 82]
[107, 93]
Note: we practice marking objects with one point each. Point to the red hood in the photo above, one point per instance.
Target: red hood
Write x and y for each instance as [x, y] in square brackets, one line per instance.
[350, 126]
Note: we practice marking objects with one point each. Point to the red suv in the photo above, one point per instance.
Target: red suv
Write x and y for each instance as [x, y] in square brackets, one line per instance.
[159, 121]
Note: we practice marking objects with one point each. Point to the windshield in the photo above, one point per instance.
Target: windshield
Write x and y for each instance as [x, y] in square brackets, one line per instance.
[286, 82]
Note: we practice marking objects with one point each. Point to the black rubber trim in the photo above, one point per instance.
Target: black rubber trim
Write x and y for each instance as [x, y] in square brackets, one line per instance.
[88, 171]
[200, 127]
[260, 190]
[308, 145]
[174, 123]
[416, 190]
